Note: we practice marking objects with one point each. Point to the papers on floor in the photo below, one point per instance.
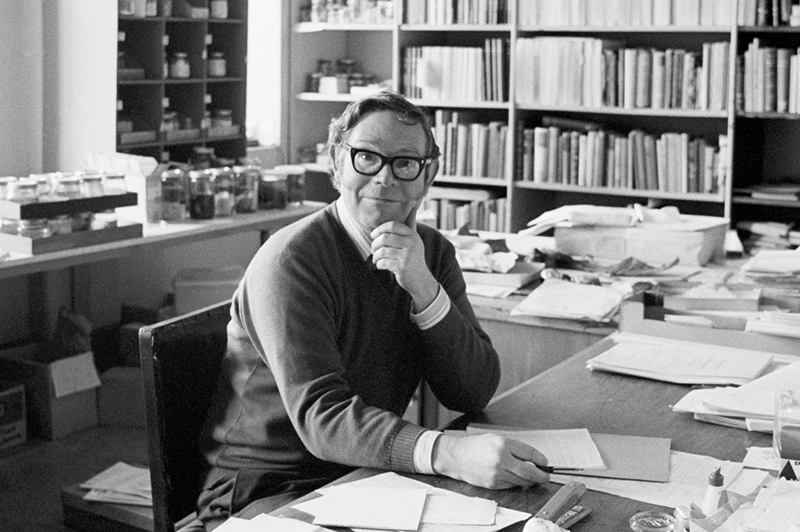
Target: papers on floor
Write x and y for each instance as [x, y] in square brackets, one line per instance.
[688, 478]
[750, 406]
[122, 484]
[628, 457]
[680, 362]
[398, 498]
[572, 448]
[556, 298]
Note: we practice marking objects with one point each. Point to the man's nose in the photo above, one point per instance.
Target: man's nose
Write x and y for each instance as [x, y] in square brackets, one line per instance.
[385, 176]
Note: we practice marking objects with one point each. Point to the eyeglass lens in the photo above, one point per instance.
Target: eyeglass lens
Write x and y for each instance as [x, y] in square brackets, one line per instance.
[370, 163]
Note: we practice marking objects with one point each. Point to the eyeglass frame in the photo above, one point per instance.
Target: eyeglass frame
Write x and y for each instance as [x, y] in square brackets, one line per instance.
[423, 162]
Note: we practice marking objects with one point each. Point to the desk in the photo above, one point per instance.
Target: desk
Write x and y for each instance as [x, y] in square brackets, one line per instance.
[570, 396]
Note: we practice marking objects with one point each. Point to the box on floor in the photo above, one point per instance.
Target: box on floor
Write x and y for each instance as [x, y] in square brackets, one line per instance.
[61, 395]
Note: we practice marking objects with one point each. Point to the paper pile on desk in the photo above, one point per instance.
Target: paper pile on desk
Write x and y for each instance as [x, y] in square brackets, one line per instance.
[121, 484]
[391, 502]
[263, 522]
[750, 406]
[680, 362]
[556, 298]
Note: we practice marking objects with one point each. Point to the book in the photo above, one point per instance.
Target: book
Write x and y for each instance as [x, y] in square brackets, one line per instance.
[519, 275]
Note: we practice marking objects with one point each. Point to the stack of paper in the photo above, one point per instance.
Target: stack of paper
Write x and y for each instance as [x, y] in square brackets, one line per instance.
[120, 484]
[751, 406]
[391, 502]
[556, 298]
[776, 323]
[680, 362]
[263, 522]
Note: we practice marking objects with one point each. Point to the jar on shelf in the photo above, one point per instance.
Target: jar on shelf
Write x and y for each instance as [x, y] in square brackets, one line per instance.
[202, 157]
[222, 118]
[325, 67]
[82, 221]
[345, 66]
[312, 82]
[44, 185]
[7, 225]
[5, 183]
[68, 186]
[272, 191]
[34, 228]
[223, 191]
[218, 9]
[61, 224]
[115, 184]
[245, 179]
[319, 11]
[295, 182]
[92, 186]
[170, 121]
[174, 196]
[217, 66]
[23, 191]
[201, 194]
[179, 65]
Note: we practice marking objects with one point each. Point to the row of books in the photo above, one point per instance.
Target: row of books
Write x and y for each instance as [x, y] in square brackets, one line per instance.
[670, 162]
[765, 12]
[470, 149]
[625, 13]
[447, 209]
[768, 235]
[446, 12]
[457, 72]
[768, 79]
[589, 72]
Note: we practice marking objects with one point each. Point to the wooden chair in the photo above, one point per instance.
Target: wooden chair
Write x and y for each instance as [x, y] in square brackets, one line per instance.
[180, 361]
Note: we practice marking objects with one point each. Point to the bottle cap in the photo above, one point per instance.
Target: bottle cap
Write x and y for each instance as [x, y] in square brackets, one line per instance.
[715, 478]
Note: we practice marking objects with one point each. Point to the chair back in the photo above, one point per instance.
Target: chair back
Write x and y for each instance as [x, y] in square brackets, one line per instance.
[180, 360]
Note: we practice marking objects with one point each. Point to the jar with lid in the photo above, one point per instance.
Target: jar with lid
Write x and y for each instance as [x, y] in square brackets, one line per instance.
[174, 196]
[115, 184]
[68, 186]
[179, 65]
[245, 179]
[217, 66]
[202, 157]
[295, 182]
[92, 186]
[272, 191]
[223, 191]
[23, 191]
[44, 185]
[221, 118]
[201, 194]
[5, 184]
[345, 66]
[34, 227]
[170, 121]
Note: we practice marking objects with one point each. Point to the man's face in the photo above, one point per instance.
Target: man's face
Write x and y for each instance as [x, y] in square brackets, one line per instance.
[373, 200]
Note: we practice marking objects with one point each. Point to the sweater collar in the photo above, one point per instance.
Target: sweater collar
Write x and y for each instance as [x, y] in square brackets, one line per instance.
[357, 233]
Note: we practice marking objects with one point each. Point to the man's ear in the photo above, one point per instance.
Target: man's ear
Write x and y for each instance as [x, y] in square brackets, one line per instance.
[430, 173]
[333, 153]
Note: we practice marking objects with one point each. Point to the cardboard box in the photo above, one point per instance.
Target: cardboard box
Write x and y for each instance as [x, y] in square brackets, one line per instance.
[120, 399]
[13, 429]
[697, 241]
[61, 396]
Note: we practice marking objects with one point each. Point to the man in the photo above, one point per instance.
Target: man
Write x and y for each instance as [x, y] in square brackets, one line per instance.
[338, 319]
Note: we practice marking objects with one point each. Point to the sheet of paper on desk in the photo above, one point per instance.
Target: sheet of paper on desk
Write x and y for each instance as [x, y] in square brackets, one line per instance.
[680, 362]
[372, 508]
[470, 509]
[688, 478]
[556, 298]
[573, 448]
[263, 522]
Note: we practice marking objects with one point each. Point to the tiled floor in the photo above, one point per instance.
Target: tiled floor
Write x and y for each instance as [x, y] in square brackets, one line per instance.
[32, 475]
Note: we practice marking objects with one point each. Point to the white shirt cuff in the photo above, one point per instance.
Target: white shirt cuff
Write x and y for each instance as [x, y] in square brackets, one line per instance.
[423, 452]
[435, 312]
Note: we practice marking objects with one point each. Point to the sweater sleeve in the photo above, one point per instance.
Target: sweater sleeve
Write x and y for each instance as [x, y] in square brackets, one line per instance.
[290, 312]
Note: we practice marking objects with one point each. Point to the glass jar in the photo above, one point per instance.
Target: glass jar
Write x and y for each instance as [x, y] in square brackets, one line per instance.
[174, 196]
[217, 66]
[23, 191]
[34, 228]
[5, 184]
[92, 186]
[201, 194]
[223, 191]
[115, 184]
[245, 187]
[325, 67]
[44, 185]
[222, 118]
[61, 224]
[272, 191]
[218, 9]
[179, 65]
[295, 182]
[202, 157]
[68, 186]
[170, 121]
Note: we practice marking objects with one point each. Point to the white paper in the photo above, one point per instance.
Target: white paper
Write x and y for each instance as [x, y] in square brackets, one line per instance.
[573, 448]
[121, 483]
[373, 508]
[681, 362]
[264, 522]
[762, 458]
[556, 298]
[74, 374]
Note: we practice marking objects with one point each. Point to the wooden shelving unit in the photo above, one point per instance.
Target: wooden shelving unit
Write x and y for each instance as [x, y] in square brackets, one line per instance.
[147, 93]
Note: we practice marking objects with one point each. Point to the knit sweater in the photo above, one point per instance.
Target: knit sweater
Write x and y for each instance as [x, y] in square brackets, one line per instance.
[323, 358]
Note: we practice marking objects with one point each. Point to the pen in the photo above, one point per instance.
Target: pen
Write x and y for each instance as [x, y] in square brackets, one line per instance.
[552, 469]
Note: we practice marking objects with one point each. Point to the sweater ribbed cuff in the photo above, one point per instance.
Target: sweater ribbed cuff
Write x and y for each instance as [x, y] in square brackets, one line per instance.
[401, 448]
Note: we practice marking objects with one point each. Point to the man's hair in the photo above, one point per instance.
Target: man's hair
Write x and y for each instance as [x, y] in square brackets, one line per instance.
[385, 100]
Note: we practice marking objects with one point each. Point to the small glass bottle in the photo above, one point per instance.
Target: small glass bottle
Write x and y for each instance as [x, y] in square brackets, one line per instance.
[245, 187]
[115, 184]
[201, 198]
[222, 118]
[179, 65]
[23, 191]
[7, 225]
[68, 186]
[223, 192]
[34, 228]
[272, 191]
[217, 66]
[174, 201]
[92, 186]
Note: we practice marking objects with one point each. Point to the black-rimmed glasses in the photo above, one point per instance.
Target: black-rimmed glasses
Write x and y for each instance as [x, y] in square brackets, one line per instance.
[404, 168]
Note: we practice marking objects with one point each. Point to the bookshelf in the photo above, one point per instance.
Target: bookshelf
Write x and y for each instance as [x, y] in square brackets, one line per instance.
[166, 109]
[575, 79]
